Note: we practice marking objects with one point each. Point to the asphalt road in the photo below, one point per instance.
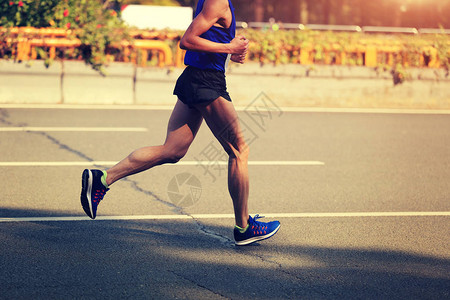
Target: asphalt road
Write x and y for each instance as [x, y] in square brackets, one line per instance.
[311, 171]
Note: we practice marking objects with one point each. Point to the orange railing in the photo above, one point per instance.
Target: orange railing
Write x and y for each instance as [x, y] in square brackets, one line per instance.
[369, 56]
[25, 40]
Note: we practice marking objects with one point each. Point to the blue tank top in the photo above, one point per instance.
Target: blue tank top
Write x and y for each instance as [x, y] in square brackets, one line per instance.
[212, 61]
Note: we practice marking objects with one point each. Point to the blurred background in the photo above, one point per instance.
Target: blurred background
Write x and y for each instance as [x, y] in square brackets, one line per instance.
[345, 103]
[404, 13]
[381, 43]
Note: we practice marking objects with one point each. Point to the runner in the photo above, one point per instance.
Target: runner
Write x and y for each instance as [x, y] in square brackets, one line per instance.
[210, 42]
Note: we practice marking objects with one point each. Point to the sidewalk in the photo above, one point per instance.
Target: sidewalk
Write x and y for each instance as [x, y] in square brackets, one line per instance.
[286, 85]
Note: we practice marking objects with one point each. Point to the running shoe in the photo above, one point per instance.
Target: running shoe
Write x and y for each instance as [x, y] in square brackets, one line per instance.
[256, 231]
[92, 191]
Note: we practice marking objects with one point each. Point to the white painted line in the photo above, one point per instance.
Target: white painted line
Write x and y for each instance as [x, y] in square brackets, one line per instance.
[181, 163]
[231, 216]
[55, 163]
[256, 163]
[366, 110]
[76, 129]
[89, 106]
[238, 108]
[359, 214]
[285, 163]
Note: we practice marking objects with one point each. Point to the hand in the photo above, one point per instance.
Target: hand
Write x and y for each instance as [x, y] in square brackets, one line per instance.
[238, 58]
[239, 45]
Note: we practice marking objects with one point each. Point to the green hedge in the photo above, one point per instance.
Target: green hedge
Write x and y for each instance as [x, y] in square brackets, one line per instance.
[284, 46]
[99, 28]
[88, 20]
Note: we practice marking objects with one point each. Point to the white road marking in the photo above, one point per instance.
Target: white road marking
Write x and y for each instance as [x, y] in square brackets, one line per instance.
[259, 163]
[181, 163]
[366, 110]
[89, 106]
[231, 216]
[359, 214]
[75, 129]
[238, 108]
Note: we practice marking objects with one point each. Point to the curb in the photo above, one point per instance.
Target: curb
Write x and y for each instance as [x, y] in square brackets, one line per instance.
[74, 83]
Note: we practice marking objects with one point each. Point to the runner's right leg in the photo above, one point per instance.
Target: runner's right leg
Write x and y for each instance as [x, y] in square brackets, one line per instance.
[221, 117]
[223, 121]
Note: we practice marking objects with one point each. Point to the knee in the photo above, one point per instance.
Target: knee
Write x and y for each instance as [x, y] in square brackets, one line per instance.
[240, 152]
[245, 151]
[174, 155]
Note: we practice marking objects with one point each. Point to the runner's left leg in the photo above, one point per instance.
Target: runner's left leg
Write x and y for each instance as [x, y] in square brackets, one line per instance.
[182, 128]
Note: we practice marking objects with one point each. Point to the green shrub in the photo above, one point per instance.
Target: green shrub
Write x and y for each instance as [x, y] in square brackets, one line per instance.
[98, 28]
[101, 30]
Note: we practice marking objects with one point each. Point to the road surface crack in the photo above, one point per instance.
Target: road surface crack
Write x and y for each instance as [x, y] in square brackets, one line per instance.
[4, 115]
[179, 210]
[198, 284]
[3, 119]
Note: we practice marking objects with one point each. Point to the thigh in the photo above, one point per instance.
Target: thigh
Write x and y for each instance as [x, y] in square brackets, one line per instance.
[183, 125]
[223, 121]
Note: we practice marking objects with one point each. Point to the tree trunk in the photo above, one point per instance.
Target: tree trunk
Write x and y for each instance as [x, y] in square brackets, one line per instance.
[338, 12]
[326, 11]
[259, 10]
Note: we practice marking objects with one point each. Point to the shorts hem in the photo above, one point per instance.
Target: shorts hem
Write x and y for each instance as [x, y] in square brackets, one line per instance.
[196, 86]
[203, 102]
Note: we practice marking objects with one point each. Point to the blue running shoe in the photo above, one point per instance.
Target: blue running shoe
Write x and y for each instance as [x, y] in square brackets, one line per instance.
[256, 231]
[92, 191]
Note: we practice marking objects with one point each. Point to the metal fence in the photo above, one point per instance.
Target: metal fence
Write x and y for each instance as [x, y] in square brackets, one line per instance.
[25, 41]
[349, 28]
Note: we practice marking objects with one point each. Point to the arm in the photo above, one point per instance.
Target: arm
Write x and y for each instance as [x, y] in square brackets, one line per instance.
[212, 12]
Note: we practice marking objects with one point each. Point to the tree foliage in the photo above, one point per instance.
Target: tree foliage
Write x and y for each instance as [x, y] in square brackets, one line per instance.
[96, 26]
[405, 13]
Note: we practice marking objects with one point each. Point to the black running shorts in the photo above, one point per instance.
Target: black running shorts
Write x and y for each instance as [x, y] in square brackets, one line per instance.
[197, 86]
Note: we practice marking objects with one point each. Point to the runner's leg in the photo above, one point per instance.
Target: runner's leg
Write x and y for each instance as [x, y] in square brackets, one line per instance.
[222, 119]
[182, 128]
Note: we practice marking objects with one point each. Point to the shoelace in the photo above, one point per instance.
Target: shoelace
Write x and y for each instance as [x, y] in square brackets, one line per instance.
[98, 195]
[258, 227]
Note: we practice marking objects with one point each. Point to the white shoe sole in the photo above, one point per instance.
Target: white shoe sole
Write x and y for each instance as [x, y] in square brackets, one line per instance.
[257, 238]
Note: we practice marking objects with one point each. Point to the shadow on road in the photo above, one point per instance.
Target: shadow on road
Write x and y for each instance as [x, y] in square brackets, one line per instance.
[174, 259]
